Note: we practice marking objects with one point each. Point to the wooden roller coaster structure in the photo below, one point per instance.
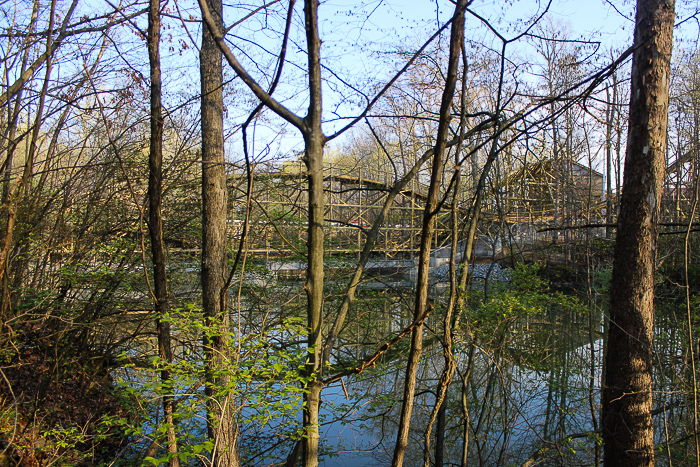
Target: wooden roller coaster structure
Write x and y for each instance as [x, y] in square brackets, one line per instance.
[525, 197]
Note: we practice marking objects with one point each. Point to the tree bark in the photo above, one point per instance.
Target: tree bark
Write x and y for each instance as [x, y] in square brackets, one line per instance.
[420, 306]
[609, 112]
[155, 224]
[314, 140]
[221, 423]
[627, 394]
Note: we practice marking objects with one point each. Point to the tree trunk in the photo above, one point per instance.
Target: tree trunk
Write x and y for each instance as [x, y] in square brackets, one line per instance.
[609, 112]
[221, 424]
[155, 223]
[457, 35]
[314, 142]
[627, 394]
[618, 143]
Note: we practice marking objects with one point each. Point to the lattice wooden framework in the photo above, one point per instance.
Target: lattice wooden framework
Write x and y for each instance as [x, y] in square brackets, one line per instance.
[353, 202]
[546, 192]
[354, 197]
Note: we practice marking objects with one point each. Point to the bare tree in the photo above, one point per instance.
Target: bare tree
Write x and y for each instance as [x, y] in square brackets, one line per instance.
[155, 224]
[427, 230]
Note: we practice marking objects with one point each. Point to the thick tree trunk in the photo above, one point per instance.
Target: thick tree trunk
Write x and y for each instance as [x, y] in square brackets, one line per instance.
[155, 224]
[221, 423]
[627, 394]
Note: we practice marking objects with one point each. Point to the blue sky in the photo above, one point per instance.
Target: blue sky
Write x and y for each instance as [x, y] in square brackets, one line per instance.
[361, 38]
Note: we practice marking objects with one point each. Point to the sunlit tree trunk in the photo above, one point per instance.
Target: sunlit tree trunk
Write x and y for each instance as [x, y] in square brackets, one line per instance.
[421, 301]
[155, 224]
[221, 423]
[627, 393]
[609, 113]
[313, 158]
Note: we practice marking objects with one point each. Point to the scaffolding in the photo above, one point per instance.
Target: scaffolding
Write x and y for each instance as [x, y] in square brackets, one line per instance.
[353, 202]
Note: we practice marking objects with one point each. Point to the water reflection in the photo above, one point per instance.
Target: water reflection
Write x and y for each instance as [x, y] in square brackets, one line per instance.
[527, 386]
[514, 404]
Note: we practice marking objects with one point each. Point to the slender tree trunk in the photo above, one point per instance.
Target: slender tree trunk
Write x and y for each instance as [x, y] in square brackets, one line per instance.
[555, 168]
[609, 112]
[451, 320]
[221, 423]
[155, 223]
[627, 393]
[370, 242]
[18, 190]
[438, 414]
[457, 36]
[618, 145]
[314, 293]
[465, 404]
[314, 140]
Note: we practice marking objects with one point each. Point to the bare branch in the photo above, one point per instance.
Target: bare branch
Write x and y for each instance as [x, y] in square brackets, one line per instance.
[259, 92]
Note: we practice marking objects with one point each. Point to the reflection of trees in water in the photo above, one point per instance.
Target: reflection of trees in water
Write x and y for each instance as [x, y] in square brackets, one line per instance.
[528, 388]
[672, 379]
[528, 384]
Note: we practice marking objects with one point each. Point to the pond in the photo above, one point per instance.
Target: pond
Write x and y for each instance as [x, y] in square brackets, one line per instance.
[530, 379]
[537, 387]
[527, 385]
